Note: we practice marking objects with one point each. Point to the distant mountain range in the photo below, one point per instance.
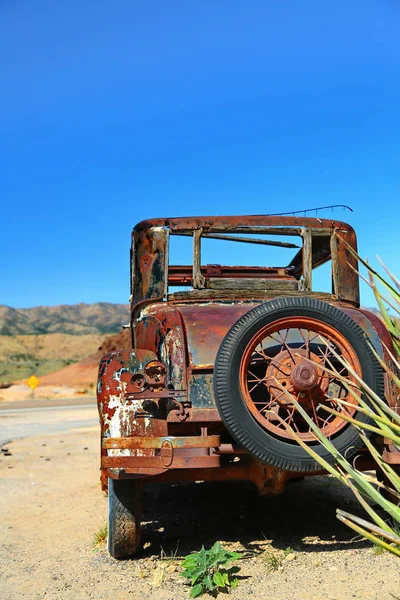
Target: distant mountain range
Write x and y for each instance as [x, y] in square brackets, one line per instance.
[76, 319]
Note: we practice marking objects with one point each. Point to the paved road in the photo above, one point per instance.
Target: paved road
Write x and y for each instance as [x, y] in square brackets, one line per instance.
[47, 403]
[40, 417]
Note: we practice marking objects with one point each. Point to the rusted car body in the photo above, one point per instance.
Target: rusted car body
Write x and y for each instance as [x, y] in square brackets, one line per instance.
[164, 413]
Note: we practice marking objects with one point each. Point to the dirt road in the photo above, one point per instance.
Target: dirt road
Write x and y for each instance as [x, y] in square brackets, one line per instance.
[52, 505]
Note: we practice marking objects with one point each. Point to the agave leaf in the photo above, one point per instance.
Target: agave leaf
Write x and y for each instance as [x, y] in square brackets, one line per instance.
[368, 508]
[372, 395]
[369, 413]
[378, 484]
[392, 277]
[386, 317]
[383, 409]
[361, 483]
[388, 302]
[324, 464]
[327, 443]
[349, 384]
[359, 424]
[392, 537]
[371, 492]
[396, 362]
[386, 367]
[324, 441]
[390, 473]
[367, 406]
[367, 534]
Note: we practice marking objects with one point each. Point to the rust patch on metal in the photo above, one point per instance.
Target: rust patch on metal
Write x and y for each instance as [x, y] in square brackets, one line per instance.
[154, 462]
[134, 443]
[167, 453]
[392, 457]
[206, 326]
[197, 415]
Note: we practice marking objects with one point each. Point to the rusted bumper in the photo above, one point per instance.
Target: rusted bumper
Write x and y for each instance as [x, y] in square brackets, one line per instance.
[152, 455]
[189, 458]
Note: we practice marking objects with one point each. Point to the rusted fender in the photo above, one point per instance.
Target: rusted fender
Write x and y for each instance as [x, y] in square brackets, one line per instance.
[168, 330]
[159, 328]
[119, 403]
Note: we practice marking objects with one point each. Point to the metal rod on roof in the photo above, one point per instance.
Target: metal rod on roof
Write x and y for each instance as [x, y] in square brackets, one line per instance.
[217, 236]
[307, 210]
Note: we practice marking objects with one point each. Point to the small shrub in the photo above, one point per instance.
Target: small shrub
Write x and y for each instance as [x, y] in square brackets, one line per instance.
[207, 570]
[100, 537]
[273, 560]
[378, 549]
[171, 556]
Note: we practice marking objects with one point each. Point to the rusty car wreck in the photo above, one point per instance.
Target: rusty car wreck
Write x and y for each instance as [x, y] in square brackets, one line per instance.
[200, 395]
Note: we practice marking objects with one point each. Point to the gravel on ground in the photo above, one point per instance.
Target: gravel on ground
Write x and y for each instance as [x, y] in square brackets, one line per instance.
[52, 506]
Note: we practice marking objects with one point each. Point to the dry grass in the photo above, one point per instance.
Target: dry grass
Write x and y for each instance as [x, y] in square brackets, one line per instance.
[100, 537]
[22, 355]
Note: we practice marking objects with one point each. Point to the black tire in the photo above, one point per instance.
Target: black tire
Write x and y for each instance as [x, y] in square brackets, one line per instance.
[124, 515]
[260, 443]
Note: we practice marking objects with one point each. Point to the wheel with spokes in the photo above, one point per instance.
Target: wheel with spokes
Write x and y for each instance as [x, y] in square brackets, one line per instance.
[285, 349]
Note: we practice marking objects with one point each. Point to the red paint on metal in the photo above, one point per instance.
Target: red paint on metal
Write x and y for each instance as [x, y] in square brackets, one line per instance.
[206, 326]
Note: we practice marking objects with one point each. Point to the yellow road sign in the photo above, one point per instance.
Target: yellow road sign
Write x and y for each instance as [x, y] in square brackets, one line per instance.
[33, 382]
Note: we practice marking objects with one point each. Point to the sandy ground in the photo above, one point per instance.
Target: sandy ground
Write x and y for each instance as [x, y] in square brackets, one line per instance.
[52, 505]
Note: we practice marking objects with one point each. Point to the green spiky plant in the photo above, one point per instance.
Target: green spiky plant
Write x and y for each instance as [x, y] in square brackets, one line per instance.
[383, 532]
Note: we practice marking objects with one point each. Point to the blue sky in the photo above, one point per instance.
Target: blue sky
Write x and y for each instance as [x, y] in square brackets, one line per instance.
[115, 112]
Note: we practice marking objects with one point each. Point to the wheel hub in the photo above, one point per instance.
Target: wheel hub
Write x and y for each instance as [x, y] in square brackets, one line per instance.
[301, 377]
[304, 376]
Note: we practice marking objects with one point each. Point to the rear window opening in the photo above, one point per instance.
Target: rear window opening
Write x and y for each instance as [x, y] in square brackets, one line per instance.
[255, 257]
[264, 259]
[254, 253]
[322, 278]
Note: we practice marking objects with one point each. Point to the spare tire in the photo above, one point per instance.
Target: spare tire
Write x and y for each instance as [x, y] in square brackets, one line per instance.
[281, 346]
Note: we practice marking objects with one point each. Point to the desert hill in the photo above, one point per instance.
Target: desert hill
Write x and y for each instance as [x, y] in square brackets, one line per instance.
[45, 339]
[23, 355]
[77, 319]
[84, 373]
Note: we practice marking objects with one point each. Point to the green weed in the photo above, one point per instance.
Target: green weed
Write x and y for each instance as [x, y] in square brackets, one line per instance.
[207, 570]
